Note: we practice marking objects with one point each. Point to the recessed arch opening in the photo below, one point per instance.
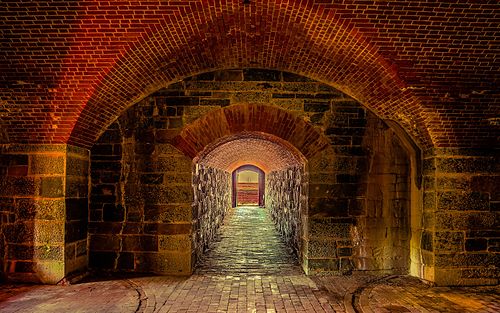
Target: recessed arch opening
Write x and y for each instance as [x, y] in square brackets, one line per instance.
[257, 166]
[335, 174]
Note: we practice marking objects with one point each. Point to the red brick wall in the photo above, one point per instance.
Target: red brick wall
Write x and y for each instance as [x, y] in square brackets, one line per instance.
[70, 68]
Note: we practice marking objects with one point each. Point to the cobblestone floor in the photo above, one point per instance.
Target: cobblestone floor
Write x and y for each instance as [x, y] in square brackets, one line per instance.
[248, 269]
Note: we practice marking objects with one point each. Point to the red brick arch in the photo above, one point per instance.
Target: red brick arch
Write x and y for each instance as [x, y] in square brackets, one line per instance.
[251, 118]
[267, 35]
[70, 67]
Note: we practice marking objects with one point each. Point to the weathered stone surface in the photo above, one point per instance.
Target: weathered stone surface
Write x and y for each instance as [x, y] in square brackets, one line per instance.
[326, 248]
[329, 227]
[174, 243]
[139, 243]
[104, 243]
[476, 244]
[47, 164]
[465, 220]
[463, 201]
[467, 165]
[168, 213]
[52, 187]
[449, 242]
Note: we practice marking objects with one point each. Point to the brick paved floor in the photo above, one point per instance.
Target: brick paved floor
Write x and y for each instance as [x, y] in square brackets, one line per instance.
[248, 269]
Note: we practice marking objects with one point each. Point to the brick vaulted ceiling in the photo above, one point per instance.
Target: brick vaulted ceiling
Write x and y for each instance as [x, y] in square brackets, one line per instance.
[69, 68]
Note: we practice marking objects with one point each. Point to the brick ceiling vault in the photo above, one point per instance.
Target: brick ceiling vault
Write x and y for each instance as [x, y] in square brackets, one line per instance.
[267, 152]
[69, 68]
[270, 123]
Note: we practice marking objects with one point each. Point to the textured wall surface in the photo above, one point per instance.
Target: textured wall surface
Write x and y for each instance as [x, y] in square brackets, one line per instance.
[212, 199]
[461, 216]
[286, 198]
[383, 229]
[43, 205]
[140, 205]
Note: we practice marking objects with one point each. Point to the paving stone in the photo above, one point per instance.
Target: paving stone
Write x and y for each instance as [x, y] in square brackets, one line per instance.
[248, 269]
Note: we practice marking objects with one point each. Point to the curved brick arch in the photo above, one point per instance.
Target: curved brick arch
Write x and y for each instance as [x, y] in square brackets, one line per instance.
[236, 119]
[319, 45]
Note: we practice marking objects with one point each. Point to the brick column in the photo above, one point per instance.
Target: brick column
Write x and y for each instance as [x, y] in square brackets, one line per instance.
[43, 211]
[461, 240]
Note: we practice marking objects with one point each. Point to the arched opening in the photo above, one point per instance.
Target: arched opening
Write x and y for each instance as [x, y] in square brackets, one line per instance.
[340, 184]
[248, 186]
[265, 161]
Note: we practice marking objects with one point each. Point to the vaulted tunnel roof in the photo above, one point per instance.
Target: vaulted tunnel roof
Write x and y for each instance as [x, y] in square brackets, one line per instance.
[69, 68]
[267, 152]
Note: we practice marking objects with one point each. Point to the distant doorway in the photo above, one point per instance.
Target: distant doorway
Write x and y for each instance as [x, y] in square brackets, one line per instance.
[248, 186]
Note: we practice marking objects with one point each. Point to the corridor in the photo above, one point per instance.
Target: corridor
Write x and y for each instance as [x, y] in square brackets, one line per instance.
[248, 244]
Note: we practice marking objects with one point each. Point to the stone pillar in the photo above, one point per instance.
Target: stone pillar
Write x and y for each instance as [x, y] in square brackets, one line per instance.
[332, 202]
[461, 242]
[41, 194]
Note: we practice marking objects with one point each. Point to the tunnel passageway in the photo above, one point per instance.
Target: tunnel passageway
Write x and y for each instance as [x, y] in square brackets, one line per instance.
[248, 243]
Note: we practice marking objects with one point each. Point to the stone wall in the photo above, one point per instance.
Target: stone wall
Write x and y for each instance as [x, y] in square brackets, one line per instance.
[77, 212]
[286, 198]
[212, 199]
[382, 231]
[141, 200]
[333, 203]
[43, 207]
[461, 242]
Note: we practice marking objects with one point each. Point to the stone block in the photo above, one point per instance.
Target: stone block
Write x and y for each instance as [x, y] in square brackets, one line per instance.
[77, 167]
[174, 164]
[167, 228]
[140, 243]
[104, 243]
[52, 187]
[175, 243]
[25, 267]
[21, 233]
[126, 261]
[167, 213]
[76, 231]
[321, 248]
[462, 201]
[18, 186]
[466, 165]
[77, 209]
[427, 242]
[329, 227]
[173, 263]
[102, 260]
[47, 164]
[261, 75]
[112, 212]
[467, 260]
[476, 244]
[77, 187]
[81, 248]
[328, 207]
[318, 266]
[465, 220]
[449, 242]
[17, 170]
[316, 105]
[28, 209]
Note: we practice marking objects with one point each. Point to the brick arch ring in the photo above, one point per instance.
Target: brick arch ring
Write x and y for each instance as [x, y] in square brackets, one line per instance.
[244, 118]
